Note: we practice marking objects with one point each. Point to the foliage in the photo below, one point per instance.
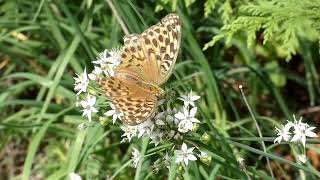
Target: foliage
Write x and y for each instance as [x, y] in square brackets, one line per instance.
[44, 43]
[282, 23]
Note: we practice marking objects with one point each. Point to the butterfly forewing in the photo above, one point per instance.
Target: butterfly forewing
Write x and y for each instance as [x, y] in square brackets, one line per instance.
[154, 52]
[163, 40]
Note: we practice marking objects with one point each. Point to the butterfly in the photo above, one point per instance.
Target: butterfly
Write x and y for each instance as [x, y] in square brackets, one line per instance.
[147, 61]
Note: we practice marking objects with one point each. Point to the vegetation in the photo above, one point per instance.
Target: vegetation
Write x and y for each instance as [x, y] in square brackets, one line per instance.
[271, 48]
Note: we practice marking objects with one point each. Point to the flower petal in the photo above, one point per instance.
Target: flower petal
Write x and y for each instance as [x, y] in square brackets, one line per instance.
[193, 111]
[191, 157]
[110, 113]
[184, 147]
[179, 159]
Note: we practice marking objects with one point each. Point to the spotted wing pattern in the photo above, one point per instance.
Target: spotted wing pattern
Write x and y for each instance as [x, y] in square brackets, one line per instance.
[147, 58]
[152, 54]
[135, 103]
[162, 42]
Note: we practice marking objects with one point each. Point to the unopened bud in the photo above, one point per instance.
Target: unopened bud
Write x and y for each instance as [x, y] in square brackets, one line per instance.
[205, 138]
[92, 91]
[206, 160]
[103, 121]
[195, 127]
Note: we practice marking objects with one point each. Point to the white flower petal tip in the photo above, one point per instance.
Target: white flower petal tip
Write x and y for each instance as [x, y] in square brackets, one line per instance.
[114, 113]
[189, 99]
[74, 176]
[136, 157]
[82, 126]
[88, 106]
[81, 82]
[302, 158]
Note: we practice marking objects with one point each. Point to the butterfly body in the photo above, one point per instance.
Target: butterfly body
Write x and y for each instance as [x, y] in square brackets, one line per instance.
[147, 62]
[136, 81]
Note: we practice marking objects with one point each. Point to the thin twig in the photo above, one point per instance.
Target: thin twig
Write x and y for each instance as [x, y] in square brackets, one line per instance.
[114, 11]
[258, 128]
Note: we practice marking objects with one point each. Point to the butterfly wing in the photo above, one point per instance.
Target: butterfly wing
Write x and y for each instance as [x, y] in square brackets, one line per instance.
[147, 58]
[152, 55]
[162, 42]
[136, 104]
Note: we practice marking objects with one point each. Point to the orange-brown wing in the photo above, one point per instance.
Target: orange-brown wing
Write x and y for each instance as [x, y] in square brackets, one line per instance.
[162, 42]
[136, 104]
[152, 55]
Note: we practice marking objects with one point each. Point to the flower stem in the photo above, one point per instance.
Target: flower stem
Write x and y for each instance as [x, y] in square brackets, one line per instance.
[258, 128]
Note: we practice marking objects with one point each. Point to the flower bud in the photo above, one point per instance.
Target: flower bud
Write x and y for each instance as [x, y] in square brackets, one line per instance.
[103, 121]
[92, 91]
[205, 138]
[195, 127]
[206, 160]
[180, 169]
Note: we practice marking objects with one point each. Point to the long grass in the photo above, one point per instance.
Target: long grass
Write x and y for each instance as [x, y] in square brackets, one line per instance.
[44, 43]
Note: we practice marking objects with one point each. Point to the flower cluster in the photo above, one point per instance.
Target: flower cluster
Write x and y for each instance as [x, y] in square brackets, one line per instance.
[295, 131]
[84, 83]
[183, 155]
[167, 124]
[172, 122]
[105, 63]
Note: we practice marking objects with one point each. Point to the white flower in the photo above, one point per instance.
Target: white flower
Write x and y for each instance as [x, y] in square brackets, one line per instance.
[114, 113]
[81, 82]
[159, 119]
[170, 115]
[301, 134]
[129, 132]
[136, 157]
[88, 104]
[96, 72]
[167, 160]
[145, 128]
[156, 137]
[186, 119]
[284, 133]
[74, 176]
[189, 99]
[82, 126]
[301, 131]
[138, 130]
[302, 158]
[185, 154]
[108, 60]
[111, 57]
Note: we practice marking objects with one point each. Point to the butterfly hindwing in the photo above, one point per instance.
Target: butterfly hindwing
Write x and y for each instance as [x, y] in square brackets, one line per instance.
[134, 102]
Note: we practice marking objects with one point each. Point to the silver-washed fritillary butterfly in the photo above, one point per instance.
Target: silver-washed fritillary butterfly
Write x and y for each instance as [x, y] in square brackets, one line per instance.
[147, 62]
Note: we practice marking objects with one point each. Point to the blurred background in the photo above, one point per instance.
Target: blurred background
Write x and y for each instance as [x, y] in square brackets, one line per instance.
[269, 47]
